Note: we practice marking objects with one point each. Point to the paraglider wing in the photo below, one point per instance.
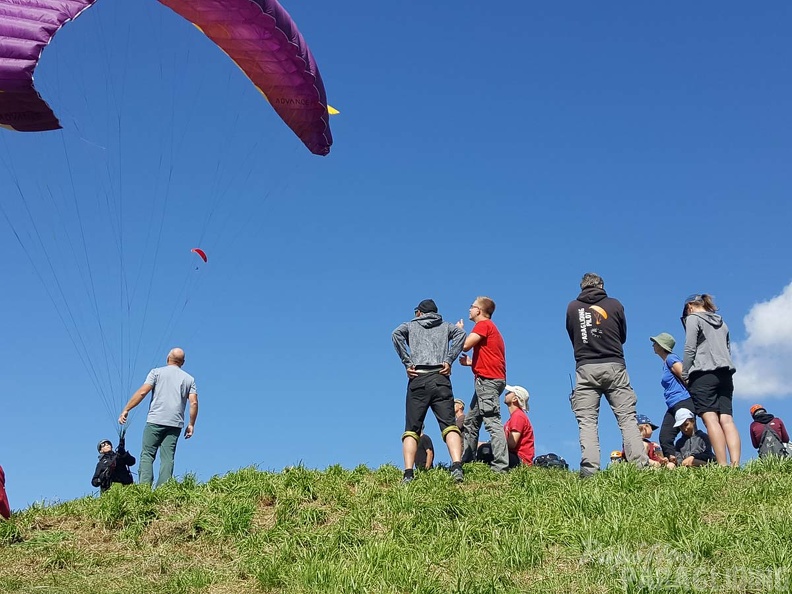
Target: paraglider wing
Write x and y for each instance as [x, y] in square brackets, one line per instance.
[200, 252]
[261, 37]
[26, 27]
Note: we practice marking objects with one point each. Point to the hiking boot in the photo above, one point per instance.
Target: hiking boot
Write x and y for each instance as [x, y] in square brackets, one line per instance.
[457, 474]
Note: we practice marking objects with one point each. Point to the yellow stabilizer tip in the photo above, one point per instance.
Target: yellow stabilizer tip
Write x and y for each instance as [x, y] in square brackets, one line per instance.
[332, 110]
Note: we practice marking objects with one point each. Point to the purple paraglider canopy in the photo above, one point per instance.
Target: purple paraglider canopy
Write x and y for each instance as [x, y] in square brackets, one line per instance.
[259, 35]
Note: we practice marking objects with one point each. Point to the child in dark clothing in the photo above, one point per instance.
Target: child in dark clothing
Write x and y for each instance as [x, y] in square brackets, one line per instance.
[113, 466]
[693, 448]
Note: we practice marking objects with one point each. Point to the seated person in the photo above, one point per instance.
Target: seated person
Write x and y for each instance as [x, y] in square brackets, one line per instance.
[518, 429]
[616, 456]
[424, 457]
[112, 467]
[653, 449]
[693, 448]
[768, 433]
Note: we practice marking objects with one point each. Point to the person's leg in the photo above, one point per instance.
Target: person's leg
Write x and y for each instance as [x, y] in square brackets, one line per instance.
[703, 388]
[170, 437]
[623, 401]
[488, 392]
[668, 433]
[472, 427]
[416, 404]
[726, 419]
[441, 400]
[585, 403]
[151, 442]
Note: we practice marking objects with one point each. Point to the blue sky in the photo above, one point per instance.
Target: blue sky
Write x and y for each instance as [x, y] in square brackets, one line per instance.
[501, 153]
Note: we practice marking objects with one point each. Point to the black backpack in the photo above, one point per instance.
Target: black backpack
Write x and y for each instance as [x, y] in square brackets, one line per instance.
[107, 466]
[770, 444]
[551, 461]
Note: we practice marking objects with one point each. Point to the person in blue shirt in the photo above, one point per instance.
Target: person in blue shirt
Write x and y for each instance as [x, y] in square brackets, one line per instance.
[674, 390]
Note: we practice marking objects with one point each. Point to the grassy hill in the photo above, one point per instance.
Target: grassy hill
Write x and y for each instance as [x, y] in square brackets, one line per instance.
[359, 531]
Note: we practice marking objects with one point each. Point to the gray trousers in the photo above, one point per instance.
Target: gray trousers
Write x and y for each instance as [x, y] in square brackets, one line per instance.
[593, 381]
[164, 439]
[485, 407]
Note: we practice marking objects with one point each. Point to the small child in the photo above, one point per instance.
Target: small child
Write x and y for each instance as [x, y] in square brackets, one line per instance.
[113, 467]
[653, 449]
[616, 456]
[693, 448]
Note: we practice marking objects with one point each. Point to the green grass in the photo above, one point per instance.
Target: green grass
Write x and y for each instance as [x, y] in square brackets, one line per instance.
[359, 531]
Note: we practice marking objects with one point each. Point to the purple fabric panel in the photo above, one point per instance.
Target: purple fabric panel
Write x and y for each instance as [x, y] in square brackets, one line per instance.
[26, 27]
[261, 37]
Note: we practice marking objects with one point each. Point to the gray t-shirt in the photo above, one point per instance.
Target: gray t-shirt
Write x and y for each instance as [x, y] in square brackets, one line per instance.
[172, 387]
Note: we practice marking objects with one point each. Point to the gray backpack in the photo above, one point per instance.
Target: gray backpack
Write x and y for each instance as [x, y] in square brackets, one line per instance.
[770, 444]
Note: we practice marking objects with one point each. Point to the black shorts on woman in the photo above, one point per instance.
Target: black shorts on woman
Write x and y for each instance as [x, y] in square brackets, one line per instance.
[712, 391]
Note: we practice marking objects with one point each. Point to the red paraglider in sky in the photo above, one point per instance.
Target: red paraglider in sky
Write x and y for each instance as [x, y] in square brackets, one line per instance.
[200, 252]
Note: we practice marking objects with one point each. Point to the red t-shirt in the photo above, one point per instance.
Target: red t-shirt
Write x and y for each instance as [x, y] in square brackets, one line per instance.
[489, 355]
[518, 421]
[5, 509]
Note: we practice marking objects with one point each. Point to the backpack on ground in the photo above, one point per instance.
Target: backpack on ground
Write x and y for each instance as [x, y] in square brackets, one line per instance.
[770, 444]
[551, 461]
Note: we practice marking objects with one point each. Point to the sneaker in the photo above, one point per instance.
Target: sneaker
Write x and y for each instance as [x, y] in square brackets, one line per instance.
[406, 480]
[457, 474]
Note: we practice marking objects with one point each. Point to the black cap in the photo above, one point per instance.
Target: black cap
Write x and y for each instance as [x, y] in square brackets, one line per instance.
[427, 306]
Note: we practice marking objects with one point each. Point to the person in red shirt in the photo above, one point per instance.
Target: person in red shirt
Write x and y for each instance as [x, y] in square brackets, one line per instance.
[489, 369]
[5, 509]
[518, 429]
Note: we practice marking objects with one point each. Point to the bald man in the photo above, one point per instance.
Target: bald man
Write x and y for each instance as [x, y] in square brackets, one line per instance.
[171, 387]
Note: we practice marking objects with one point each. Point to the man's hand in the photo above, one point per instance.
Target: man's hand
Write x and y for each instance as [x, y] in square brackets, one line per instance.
[411, 372]
[460, 324]
[446, 370]
[465, 360]
[123, 418]
[688, 461]
[188, 431]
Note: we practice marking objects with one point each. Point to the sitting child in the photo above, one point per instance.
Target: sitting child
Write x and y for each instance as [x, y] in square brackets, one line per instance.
[693, 448]
[113, 467]
[653, 449]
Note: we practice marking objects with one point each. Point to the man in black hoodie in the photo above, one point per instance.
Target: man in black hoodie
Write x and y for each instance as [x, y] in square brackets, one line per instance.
[597, 328]
[428, 347]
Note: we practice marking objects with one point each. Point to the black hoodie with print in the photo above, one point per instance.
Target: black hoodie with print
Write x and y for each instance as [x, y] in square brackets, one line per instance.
[597, 327]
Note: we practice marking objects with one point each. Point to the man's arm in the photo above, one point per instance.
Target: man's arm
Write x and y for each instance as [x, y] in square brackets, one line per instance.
[400, 343]
[136, 399]
[457, 337]
[472, 340]
[188, 431]
[513, 440]
[429, 458]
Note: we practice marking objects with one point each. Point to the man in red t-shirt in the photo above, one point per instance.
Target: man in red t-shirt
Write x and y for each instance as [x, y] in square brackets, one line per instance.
[489, 369]
[5, 509]
[518, 429]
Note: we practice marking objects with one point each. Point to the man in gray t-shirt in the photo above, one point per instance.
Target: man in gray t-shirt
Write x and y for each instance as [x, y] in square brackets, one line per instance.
[171, 388]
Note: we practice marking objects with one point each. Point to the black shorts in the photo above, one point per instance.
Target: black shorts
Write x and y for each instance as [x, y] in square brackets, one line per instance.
[425, 391]
[712, 391]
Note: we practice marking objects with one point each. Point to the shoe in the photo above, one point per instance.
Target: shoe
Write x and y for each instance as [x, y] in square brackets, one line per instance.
[458, 475]
[406, 480]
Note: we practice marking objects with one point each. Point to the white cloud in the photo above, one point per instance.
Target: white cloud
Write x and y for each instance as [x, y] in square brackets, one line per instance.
[764, 358]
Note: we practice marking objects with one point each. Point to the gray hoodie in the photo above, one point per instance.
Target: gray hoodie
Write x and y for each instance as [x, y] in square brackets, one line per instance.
[424, 340]
[707, 345]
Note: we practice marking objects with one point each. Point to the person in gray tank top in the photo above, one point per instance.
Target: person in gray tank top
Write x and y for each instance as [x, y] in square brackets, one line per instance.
[170, 387]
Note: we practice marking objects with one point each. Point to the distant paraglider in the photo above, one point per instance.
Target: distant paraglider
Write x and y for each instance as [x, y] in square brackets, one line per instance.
[259, 35]
[200, 253]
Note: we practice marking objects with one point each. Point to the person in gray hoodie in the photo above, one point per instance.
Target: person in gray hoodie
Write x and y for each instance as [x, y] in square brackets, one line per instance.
[707, 367]
[428, 346]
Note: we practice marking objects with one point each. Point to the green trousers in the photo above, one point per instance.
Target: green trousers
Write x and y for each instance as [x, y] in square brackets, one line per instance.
[164, 439]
